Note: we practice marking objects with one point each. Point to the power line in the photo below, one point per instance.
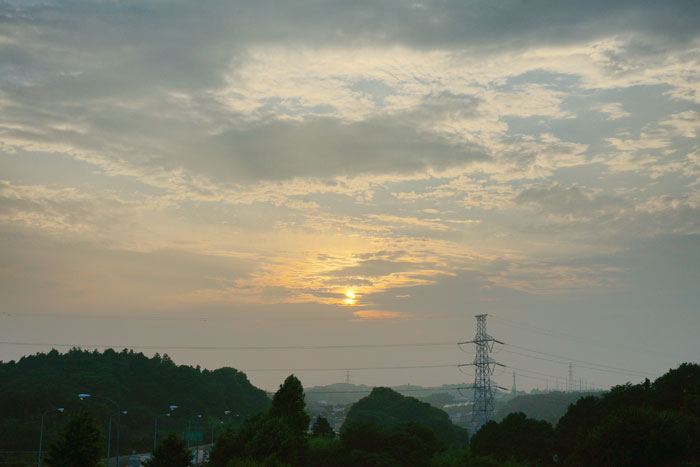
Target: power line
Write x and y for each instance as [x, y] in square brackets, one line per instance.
[567, 360]
[550, 395]
[235, 347]
[557, 378]
[407, 367]
[559, 359]
[586, 340]
[365, 391]
[580, 366]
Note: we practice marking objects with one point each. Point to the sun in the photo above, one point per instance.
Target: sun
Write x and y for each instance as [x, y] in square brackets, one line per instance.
[350, 298]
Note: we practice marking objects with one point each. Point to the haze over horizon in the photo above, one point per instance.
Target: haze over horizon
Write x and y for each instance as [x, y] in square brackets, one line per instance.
[225, 174]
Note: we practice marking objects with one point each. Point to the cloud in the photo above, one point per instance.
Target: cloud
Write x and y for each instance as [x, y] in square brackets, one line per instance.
[373, 268]
[65, 211]
[592, 216]
[324, 148]
[571, 201]
[42, 273]
[415, 142]
[614, 110]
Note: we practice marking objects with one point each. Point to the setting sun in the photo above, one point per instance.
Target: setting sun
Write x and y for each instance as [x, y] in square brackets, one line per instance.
[350, 298]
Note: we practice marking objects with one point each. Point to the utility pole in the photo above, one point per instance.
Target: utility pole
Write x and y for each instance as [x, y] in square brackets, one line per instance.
[484, 388]
[570, 382]
[514, 391]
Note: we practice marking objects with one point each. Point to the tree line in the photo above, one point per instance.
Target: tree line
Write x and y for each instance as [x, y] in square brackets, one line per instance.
[144, 387]
[651, 423]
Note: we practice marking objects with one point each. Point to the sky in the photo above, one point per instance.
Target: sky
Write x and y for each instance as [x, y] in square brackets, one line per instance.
[215, 179]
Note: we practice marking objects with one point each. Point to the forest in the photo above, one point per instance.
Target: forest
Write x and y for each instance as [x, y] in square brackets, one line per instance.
[143, 387]
[650, 423]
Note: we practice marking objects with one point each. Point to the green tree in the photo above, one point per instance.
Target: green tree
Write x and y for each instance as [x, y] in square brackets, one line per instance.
[517, 436]
[322, 428]
[227, 447]
[171, 452]
[405, 444]
[274, 437]
[36, 382]
[78, 444]
[639, 436]
[388, 408]
[275, 440]
[679, 389]
[324, 451]
[288, 403]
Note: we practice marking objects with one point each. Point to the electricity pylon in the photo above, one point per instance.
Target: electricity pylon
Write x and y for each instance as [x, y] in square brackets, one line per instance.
[484, 387]
[570, 381]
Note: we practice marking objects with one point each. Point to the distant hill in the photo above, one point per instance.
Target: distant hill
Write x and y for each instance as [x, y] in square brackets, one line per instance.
[143, 386]
[346, 394]
[549, 406]
[388, 408]
[336, 394]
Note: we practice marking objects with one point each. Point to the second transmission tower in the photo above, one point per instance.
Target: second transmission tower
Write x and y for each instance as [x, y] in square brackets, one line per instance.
[484, 387]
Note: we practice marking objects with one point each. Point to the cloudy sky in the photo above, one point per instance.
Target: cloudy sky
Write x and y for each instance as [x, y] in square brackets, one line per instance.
[317, 173]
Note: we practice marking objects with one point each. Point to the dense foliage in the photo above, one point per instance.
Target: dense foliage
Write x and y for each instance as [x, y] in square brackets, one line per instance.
[143, 386]
[387, 408]
[631, 425]
[170, 452]
[385, 429]
[636, 424]
[516, 437]
[652, 423]
[78, 444]
[322, 428]
[550, 406]
[275, 437]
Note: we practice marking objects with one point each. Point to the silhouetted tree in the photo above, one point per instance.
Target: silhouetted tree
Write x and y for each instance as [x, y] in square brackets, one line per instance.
[679, 389]
[322, 428]
[288, 403]
[324, 451]
[405, 444]
[388, 408]
[171, 452]
[641, 436]
[516, 436]
[275, 440]
[574, 426]
[146, 386]
[277, 436]
[227, 447]
[78, 444]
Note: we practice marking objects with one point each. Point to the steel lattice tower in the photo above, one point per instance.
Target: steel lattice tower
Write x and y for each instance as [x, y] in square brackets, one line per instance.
[570, 386]
[484, 387]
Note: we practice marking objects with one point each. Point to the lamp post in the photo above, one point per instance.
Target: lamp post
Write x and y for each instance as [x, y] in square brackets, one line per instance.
[213, 424]
[189, 422]
[155, 431]
[41, 432]
[109, 435]
[119, 412]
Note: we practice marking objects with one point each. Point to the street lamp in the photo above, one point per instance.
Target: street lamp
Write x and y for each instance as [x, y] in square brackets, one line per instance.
[213, 424]
[109, 435]
[189, 424]
[41, 432]
[155, 431]
[119, 412]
